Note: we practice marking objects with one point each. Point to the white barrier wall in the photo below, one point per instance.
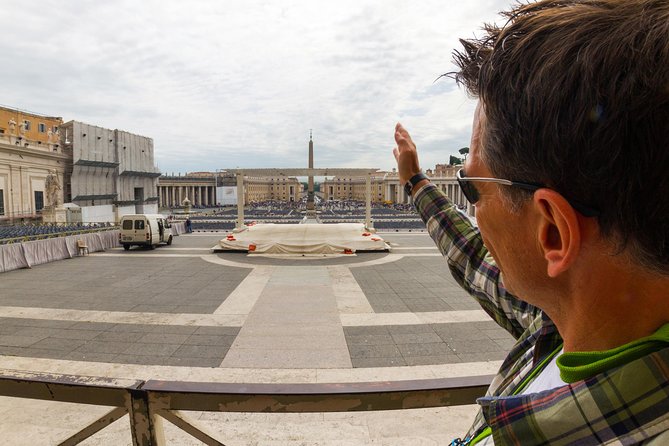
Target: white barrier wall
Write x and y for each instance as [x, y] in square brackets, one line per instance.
[36, 252]
[179, 228]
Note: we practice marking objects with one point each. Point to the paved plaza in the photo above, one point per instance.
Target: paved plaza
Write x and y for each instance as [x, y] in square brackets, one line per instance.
[181, 312]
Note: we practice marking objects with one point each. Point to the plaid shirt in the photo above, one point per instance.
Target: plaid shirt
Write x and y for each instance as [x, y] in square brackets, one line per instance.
[624, 405]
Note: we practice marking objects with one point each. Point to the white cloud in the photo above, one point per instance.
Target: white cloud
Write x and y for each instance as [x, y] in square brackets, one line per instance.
[228, 84]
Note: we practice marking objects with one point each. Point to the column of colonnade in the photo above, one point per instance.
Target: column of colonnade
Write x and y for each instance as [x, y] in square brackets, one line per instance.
[173, 195]
[198, 195]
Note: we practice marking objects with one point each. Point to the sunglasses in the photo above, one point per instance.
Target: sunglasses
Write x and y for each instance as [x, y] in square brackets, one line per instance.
[472, 194]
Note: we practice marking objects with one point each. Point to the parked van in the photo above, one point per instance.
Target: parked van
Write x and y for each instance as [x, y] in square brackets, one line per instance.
[145, 230]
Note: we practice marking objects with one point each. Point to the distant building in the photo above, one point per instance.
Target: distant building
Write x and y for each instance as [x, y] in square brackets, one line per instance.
[386, 186]
[445, 170]
[268, 188]
[205, 189]
[198, 187]
[112, 172]
[343, 188]
[30, 151]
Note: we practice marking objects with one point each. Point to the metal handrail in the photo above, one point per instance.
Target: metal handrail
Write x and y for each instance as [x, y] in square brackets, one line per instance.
[149, 402]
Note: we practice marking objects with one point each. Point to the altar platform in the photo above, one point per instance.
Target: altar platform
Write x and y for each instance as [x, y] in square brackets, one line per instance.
[269, 238]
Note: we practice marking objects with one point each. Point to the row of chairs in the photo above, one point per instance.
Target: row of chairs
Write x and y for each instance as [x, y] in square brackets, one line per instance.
[378, 224]
[19, 231]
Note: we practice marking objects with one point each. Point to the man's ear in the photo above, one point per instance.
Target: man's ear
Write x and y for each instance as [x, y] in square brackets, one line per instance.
[558, 231]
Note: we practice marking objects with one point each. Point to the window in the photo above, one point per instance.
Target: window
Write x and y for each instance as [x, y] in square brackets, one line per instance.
[139, 224]
[27, 124]
[41, 127]
[39, 200]
[2, 131]
[2, 202]
[55, 128]
[127, 224]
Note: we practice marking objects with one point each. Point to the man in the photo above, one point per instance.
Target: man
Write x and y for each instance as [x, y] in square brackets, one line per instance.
[569, 173]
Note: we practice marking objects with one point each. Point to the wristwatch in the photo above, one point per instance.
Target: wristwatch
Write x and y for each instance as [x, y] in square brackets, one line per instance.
[420, 176]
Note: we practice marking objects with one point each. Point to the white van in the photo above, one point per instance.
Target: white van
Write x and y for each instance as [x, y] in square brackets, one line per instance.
[145, 230]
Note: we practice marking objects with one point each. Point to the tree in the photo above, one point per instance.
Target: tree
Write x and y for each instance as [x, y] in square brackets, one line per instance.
[464, 151]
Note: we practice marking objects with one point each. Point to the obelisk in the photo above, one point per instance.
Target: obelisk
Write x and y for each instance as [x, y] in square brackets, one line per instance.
[311, 210]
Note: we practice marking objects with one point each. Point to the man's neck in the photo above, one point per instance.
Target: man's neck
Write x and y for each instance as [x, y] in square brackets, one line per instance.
[612, 309]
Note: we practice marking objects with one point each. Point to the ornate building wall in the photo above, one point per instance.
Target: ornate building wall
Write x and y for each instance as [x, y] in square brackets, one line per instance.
[386, 187]
[29, 154]
[200, 189]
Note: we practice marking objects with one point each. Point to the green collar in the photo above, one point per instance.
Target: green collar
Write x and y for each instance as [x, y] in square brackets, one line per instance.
[577, 366]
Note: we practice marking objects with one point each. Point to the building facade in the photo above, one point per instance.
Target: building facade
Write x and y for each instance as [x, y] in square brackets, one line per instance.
[198, 187]
[386, 186]
[267, 188]
[112, 172]
[30, 157]
[205, 189]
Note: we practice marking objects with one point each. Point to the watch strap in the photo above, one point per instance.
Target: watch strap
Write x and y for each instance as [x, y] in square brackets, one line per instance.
[420, 176]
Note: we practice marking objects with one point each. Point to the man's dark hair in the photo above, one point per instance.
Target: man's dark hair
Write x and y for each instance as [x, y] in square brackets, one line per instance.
[576, 97]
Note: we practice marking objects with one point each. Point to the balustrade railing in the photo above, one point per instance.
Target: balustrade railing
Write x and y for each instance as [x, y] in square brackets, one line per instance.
[148, 403]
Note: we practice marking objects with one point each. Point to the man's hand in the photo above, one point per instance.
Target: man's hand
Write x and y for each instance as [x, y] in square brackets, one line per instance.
[405, 154]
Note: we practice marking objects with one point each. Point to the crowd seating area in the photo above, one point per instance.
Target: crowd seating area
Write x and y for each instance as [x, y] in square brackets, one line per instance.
[213, 225]
[399, 224]
[11, 232]
[385, 216]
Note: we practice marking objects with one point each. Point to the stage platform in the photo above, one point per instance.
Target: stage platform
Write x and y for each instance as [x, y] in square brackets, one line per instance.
[269, 238]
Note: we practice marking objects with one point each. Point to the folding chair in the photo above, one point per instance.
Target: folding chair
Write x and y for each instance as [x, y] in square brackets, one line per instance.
[82, 247]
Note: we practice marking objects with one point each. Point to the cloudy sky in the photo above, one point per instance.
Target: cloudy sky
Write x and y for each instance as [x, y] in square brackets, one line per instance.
[223, 84]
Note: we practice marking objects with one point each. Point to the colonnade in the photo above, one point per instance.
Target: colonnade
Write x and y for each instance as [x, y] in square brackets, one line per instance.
[450, 187]
[174, 195]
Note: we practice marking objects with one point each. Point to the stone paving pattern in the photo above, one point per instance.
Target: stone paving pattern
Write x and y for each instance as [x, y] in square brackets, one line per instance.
[161, 285]
[172, 314]
[408, 345]
[176, 280]
[178, 345]
[412, 284]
